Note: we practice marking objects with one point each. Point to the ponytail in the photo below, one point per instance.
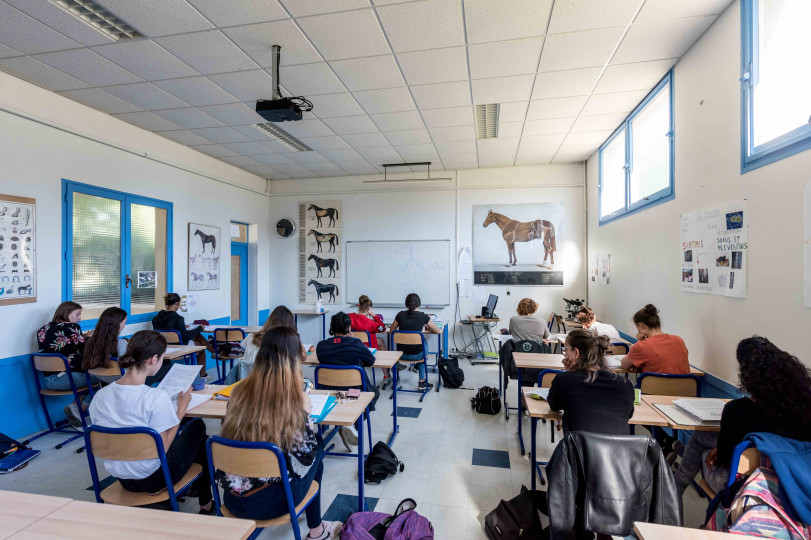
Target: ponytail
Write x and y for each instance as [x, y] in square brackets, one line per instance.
[649, 316]
[585, 315]
[143, 345]
[412, 302]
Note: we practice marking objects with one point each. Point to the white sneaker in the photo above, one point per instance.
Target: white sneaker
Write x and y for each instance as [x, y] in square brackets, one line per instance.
[331, 530]
[73, 415]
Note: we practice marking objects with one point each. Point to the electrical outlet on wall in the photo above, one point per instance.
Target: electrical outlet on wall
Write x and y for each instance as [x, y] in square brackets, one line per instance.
[508, 291]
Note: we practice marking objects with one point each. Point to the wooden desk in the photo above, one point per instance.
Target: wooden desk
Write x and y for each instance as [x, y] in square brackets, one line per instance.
[246, 329]
[668, 400]
[179, 351]
[571, 324]
[19, 510]
[89, 521]
[653, 531]
[555, 361]
[313, 313]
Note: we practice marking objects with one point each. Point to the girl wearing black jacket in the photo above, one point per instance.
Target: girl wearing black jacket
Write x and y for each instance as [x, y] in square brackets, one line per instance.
[170, 319]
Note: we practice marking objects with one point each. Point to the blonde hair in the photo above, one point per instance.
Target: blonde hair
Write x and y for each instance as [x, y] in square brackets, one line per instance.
[592, 352]
[586, 315]
[268, 405]
[364, 303]
[527, 306]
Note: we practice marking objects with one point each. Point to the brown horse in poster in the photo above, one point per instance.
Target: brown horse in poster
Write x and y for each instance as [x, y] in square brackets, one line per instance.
[514, 231]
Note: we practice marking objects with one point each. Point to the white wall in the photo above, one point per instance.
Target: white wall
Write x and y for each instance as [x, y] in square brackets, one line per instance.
[645, 247]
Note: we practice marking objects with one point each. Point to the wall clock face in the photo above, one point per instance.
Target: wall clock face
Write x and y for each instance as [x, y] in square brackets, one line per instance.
[285, 228]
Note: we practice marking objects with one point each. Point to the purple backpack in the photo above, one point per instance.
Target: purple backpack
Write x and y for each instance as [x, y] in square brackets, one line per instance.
[405, 524]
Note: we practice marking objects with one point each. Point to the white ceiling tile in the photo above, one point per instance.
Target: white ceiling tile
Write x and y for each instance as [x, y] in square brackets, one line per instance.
[579, 15]
[573, 154]
[504, 58]
[502, 89]
[302, 8]
[535, 156]
[252, 148]
[215, 150]
[498, 145]
[222, 135]
[100, 100]
[408, 136]
[456, 147]
[541, 141]
[594, 138]
[667, 9]
[186, 137]
[21, 32]
[8, 52]
[417, 152]
[196, 91]
[146, 59]
[188, 118]
[378, 154]
[322, 166]
[496, 160]
[208, 52]
[369, 73]
[515, 111]
[52, 15]
[321, 144]
[587, 48]
[453, 133]
[158, 19]
[334, 105]
[348, 125]
[385, 100]
[235, 12]
[307, 128]
[351, 34]
[398, 121]
[660, 40]
[365, 140]
[305, 157]
[35, 72]
[461, 161]
[240, 161]
[344, 155]
[146, 95]
[355, 163]
[442, 95]
[424, 25]
[257, 39]
[555, 108]
[88, 66]
[245, 85]
[435, 66]
[619, 102]
[510, 129]
[309, 80]
[497, 20]
[637, 76]
[261, 170]
[290, 168]
[147, 121]
[598, 122]
[452, 116]
[571, 82]
[548, 126]
[232, 114]
[272, 159]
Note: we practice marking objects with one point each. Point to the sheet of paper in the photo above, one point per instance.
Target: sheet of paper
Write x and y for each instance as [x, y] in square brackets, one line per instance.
[478, 294]
[677, 416]
[465, 288]
[178, 379]
[542, 393]
[318, 401]
[614, 361]
[173, 350]
[198, 399]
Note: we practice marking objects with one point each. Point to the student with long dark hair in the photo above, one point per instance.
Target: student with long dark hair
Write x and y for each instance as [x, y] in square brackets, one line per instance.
[779, 393]
[170, 319]
[413, 320]
[655, 351]
[104, 343]
[129, 402]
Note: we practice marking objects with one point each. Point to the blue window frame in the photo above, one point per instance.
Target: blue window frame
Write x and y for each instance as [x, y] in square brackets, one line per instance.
[636, 164]
[109, 238]
[775, 107]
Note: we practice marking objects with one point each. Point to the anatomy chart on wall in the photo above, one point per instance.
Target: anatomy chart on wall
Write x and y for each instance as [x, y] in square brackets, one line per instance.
[714, 250]
[320, 253]
[807, 246]
[204, 257]
[605, 268]
[516, 244]
[18, 274]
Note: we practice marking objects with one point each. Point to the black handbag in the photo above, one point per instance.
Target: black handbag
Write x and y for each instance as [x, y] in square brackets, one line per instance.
[516, 518]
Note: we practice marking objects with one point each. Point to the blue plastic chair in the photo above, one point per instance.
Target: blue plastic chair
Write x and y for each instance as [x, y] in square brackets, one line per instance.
[226, 336]
[255, 460]
[130, 444]
[340, 377]
[669, 384]
[411, 341]
[173, 337]
[624, 346]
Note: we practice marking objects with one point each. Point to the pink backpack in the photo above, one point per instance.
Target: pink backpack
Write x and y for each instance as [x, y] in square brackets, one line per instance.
[405, 524]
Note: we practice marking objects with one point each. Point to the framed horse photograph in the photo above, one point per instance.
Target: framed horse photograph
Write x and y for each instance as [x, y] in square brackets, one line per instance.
[204, 257]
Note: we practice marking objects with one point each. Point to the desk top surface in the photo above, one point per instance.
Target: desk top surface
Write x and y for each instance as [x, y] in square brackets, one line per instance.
[246, 329]
[176, 351]
[309, 312]
[668, 400]
[654, 531]
[644, 414]
[477, 318]
[383, 359]
[19, 510]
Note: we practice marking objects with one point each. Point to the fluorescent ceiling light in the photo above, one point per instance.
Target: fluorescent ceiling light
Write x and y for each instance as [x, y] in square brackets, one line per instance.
[98, 18]
[487, 121]
[282, 138]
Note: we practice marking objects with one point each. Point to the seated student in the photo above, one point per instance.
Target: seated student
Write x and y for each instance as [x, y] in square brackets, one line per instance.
[366, 320]
[779, 388]
[413, 320]
[170, 319]
[270, 406]
[104, 343]
[655, 351]
[129, 402]
[526, 327]
[591, 397]
[587, 318]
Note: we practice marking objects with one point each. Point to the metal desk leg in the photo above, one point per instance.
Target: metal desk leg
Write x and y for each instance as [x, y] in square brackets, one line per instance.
[533, 463]
[361, 501]
[520, 415]
[324, 326]
[396, 427]
[295, 320]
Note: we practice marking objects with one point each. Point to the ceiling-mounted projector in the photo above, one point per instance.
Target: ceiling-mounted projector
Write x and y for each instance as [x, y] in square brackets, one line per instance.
[281, 109]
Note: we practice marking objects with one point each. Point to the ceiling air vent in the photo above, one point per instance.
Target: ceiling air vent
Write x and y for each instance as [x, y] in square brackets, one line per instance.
[487, 121]
[282, 138]
[99, 18]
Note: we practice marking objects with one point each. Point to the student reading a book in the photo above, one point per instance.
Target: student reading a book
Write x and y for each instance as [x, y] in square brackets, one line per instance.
[170, 319]
[270, 406]
[105, 344]
[655, 351]
[589, 321]
[526, 327]
[367, 320]
[779, 392]
[591, 397]
[413, 320]
[129, 402]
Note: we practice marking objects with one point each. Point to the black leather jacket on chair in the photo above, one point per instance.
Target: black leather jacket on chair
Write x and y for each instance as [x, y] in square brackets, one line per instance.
[603, 483]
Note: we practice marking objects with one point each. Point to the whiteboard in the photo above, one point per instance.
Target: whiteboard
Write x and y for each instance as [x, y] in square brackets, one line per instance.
[387, 271]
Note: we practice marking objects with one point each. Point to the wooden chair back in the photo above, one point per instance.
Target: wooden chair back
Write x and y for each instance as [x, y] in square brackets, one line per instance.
[363, 336]
[666, 386]
[750, 460]
[546, 381]
[228, 334]
[123, 447]
[406, 339]
[170, 336]
[339, 377]
[618, 348]
[551, 320]
[112, 371]
[247, 462]
[49, 363]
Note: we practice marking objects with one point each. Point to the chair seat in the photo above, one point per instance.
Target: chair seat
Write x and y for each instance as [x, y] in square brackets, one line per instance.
[707, 489]
[116, 494]
[49, 392]
[281, 519]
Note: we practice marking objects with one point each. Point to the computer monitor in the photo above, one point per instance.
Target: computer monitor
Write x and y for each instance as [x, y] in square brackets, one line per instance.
[491, 305]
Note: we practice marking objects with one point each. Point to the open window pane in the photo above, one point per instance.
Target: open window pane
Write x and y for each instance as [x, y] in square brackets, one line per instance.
[650, 147]
[96, 253]
[612, 179]
[147, 258]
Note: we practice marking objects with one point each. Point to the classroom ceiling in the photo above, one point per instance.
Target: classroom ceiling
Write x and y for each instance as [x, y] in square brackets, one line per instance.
[390, 80]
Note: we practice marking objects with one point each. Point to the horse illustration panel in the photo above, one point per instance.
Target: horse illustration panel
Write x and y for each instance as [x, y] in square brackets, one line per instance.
[204, 257]
[323, 266]
[327, 289]
[323, 241]
[323, 214]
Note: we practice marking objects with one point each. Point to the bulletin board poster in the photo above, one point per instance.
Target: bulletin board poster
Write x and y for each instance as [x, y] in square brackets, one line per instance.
[807, 246]
[714, 249]
[18, 274]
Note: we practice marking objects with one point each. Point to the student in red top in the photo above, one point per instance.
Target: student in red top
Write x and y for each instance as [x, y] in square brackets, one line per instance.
[367, 320]
[655, 351]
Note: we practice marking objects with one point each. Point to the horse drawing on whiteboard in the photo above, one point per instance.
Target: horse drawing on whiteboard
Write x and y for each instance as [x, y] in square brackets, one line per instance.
[324, 237]
[207, 239]
[320, 263]
[514, 231]
[321, 288]
[330, 213]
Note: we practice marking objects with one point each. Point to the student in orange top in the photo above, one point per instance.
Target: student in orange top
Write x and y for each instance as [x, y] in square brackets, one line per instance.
[655, 351]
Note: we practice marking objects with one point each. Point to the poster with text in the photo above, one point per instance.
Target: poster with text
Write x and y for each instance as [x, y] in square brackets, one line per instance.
[605, 269]
[204, 257]
[714, 250]
[807, 246]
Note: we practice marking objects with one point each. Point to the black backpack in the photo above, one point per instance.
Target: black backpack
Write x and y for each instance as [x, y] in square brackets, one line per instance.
[486, 401]
[381, 463]
[450, 373]
[516, 518]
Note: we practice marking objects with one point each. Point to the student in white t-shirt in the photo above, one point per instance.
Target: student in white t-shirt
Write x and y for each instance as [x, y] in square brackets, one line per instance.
[128, 402]
[589, 321]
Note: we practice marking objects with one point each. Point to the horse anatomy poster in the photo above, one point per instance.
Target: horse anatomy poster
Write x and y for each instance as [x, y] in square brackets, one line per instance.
[204, 257]
[516, 244]
[714, 250]
[320, 252]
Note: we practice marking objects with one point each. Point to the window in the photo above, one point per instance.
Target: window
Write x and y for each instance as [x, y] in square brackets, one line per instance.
[775, 80]
[117, 251]
[636, 162]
